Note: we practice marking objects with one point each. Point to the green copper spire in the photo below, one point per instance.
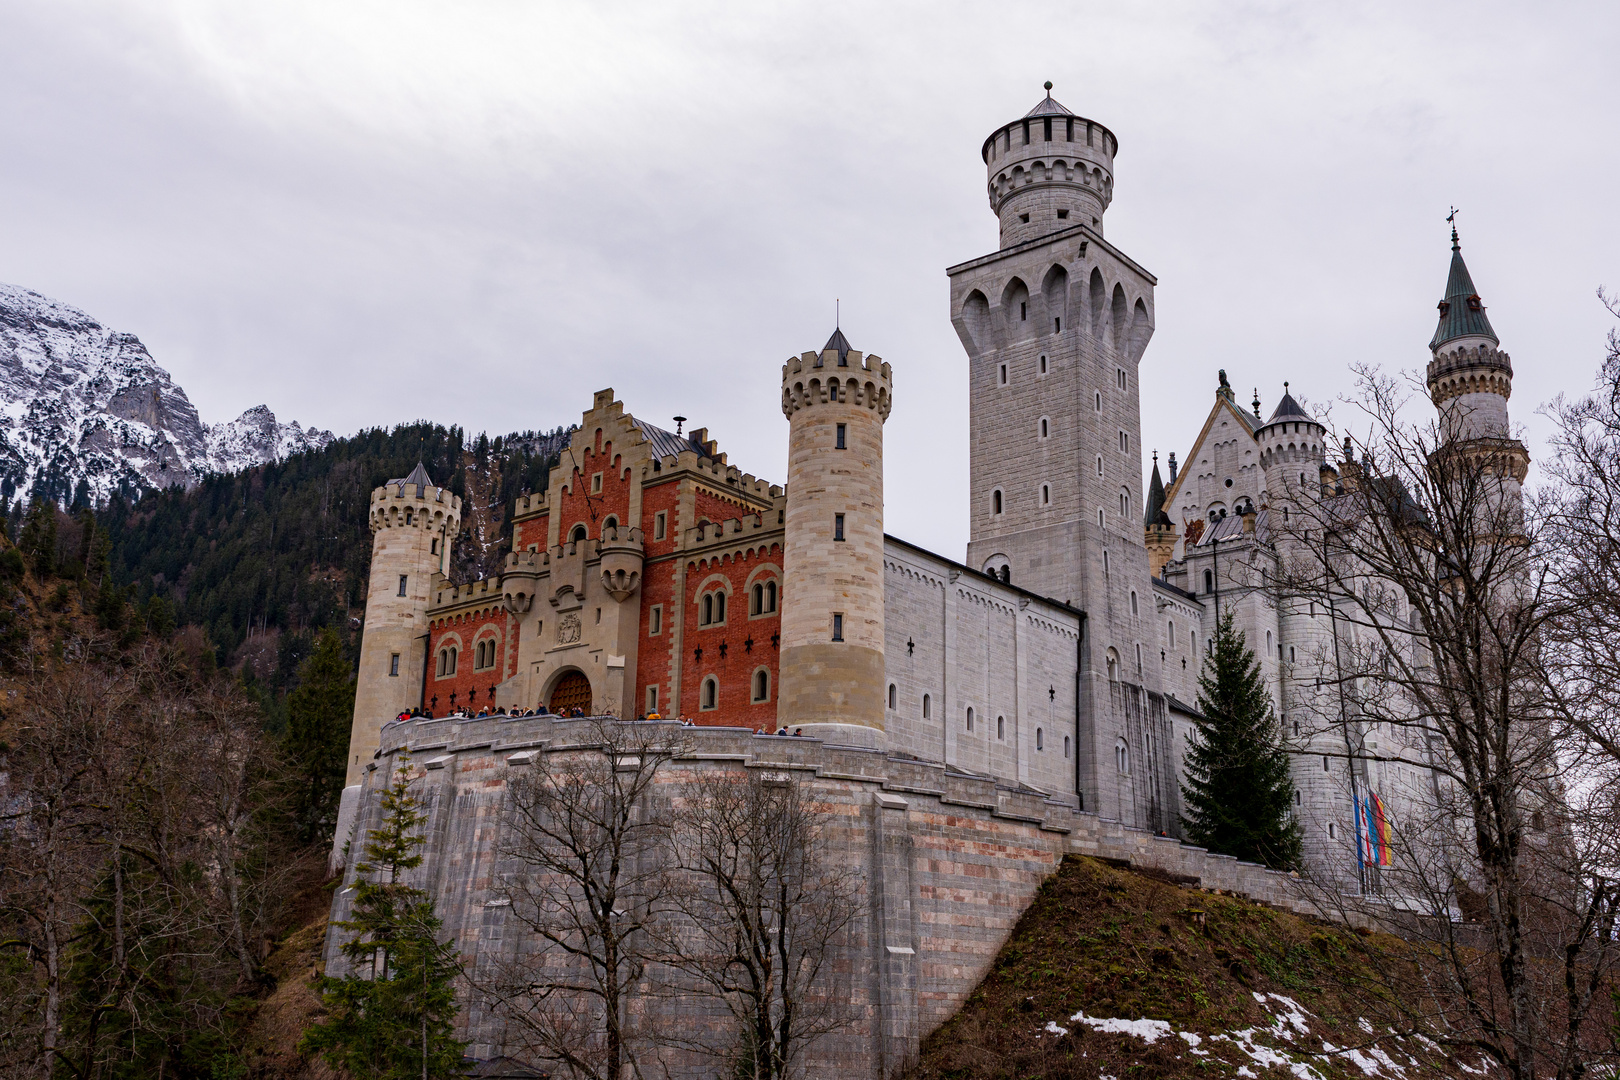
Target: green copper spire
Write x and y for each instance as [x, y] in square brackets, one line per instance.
[1155, 499]
[1462, 313]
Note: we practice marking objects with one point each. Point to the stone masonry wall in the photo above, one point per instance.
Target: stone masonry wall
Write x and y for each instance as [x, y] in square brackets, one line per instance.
[947, 863]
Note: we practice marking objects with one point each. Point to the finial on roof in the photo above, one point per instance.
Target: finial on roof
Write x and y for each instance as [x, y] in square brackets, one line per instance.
[1285, 386]
[1257, 403]
[1452, 218]
[1048, 87]
[679, 420]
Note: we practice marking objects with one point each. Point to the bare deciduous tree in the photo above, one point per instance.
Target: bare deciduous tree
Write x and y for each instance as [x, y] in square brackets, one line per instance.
[583, 866]
[763, 905]
[1434, 574]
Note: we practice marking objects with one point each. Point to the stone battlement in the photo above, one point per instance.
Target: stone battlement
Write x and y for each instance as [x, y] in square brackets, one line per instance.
[1483, 369]
[819, 378]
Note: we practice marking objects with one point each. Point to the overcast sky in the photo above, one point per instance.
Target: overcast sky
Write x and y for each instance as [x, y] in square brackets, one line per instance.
[364, 213]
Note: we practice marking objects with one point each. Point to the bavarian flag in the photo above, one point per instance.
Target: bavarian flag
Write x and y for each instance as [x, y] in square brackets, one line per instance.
[1375, 827]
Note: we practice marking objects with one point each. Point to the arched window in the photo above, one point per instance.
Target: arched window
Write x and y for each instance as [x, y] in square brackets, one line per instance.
[1005, 574]
[1209, 581]
[719, 607]
[1124, 502]
[1112, 658]
[970, 718]
[408, 516]
[708, 610]
[1122, 757]
[1332, 833]
[1046, 494]
[579, 534]
[1101, 521]
[1043, 363]
[1170, 632]
[1139, 658]
[1099, 467]
[1099, 401]
[756, 604]
[894, 696]
[762, 685]
[1133, 603]
[710, 697]
[995, 501]
[1268, 642]
[1001, 727]
[1065, 747]
[1040, 740]
[926, 706]
[770, 596]
[1045, 428]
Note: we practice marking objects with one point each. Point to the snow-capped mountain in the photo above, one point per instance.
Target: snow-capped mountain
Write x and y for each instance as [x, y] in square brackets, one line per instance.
[83, 404]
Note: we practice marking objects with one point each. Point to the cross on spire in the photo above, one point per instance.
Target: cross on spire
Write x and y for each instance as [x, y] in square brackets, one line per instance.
[1452, 219]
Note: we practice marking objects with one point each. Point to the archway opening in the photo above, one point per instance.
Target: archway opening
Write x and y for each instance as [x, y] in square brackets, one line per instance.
[573, 691]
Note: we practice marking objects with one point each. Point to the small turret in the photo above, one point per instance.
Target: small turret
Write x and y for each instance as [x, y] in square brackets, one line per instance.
[1049, 171]
[1293, 448]
[1158, 531]
[832, 617]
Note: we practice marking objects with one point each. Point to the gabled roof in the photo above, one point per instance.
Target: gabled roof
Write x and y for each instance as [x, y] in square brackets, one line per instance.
[1222, 400]
[1462, 312]
[667, 443]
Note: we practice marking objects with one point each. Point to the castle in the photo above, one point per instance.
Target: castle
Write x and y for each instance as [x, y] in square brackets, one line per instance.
[1055, 668]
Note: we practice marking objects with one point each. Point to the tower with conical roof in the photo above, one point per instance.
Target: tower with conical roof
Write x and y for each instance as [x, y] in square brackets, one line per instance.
[1055, 323]
[1470, 380]
[1293, 449]
[832, 672]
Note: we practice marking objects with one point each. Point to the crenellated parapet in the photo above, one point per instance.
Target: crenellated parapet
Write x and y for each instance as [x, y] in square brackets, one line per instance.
[1482, 369]
[836, 377]
[408, 506]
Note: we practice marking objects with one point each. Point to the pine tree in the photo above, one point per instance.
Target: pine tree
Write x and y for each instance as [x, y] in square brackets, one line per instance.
[38, 540]
[392, 1017]
[1239, 793]
[319, 713]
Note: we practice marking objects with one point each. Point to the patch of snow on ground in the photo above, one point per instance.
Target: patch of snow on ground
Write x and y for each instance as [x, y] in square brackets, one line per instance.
[1055, 1030]
[1148, 1031]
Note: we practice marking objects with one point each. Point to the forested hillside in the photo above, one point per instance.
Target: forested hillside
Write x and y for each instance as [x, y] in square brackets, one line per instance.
[280, 551]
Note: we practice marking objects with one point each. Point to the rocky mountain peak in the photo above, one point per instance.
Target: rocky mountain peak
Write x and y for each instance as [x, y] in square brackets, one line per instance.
[85, 410]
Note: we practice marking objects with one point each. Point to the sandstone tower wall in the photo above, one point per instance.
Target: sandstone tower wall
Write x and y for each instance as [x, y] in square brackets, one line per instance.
[832, 620]
[413, 526]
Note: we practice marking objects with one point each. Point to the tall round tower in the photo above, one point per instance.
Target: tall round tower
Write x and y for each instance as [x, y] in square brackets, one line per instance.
[1293, 449]
[1049, 171]
[413, 525]
[832, 618]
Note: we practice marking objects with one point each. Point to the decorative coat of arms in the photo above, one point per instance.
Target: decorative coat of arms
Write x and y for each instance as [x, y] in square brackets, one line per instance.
[568, 628]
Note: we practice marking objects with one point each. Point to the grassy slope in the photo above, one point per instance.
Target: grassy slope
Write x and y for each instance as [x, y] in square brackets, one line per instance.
[1120, 944]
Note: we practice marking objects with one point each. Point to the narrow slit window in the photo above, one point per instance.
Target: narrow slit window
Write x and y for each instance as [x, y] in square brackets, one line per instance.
[402, 579]
[393, 664]
[1001, 375]
[838, 626]
[840, 442]
[838, 526]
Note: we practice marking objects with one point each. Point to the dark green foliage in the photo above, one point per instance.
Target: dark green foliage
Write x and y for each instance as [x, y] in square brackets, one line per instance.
[1239, 792]
[319, 713]
[159, 616]
[288, 545]
[38, 540]
[393, 1015]
[12, 566]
